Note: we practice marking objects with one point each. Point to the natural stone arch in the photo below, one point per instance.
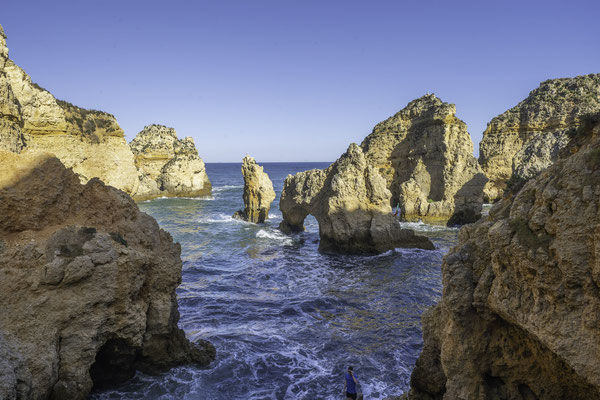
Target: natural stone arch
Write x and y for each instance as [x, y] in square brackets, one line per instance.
[351, 204]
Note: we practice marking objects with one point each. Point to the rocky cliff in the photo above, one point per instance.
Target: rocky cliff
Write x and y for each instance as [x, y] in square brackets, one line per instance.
[528, 138]
[87, 285]
[351, 204]
[91, 142]
[258, 192]
[168, 166]
[426, 156]
[520, 312]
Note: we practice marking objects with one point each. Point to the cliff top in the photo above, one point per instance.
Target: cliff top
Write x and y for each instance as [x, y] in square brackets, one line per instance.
[555, 99]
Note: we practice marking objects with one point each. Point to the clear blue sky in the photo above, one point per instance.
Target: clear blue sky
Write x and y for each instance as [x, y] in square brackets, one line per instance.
[295, 80]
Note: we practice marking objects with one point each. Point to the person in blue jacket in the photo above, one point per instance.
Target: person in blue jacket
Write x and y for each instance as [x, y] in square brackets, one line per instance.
[350, 384]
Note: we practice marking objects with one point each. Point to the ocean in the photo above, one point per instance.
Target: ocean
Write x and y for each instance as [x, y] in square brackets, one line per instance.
[286, 320]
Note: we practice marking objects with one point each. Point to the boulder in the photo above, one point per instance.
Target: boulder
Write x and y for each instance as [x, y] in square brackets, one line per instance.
[520, 312]
[426, 156]
[168, 166]
[528, 138]
[351, 204]
[258, 192]
[87, 285]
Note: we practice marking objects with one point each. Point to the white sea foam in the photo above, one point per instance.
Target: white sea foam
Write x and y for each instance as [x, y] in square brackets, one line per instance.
[274, 235]
[226, 187]
[221, 219]
[423, 227]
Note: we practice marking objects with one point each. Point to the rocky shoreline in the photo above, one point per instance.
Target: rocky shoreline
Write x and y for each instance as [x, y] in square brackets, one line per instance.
[88, 281]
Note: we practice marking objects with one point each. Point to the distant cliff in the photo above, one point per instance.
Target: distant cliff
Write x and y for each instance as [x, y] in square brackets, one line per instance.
[426, 156]
[90, 142]
[520, 312]
[528, 138]
[168, 166]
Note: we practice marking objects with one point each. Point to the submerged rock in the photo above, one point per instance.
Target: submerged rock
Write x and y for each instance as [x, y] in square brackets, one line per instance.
[426, 156]
[258, 192]
[528, 138]
[168, 166]
[520, 312]
[87, 285]
[351, 204]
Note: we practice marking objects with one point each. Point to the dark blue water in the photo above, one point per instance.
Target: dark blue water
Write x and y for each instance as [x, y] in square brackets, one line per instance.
[286, 320]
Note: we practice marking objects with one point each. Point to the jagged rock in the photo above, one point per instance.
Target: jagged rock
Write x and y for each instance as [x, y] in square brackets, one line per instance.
[87, 285]
[528, 138]
[88, 141]
[520, 312]
[258, 192]
[351, 204]
[168, 166]
[426, 156]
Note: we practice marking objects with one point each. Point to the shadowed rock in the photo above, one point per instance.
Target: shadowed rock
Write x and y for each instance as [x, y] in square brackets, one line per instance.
[527, 138]
[426, 156]
[351, 204]
[258, 192]
[520, 312]
[87, 285]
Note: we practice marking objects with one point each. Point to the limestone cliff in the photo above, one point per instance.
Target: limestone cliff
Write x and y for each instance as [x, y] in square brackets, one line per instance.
[90, 142]
[258, 192]
[426, 156]
[351, 204]
[520, 312]
[168, 166]
[87, 285]
[528, 138]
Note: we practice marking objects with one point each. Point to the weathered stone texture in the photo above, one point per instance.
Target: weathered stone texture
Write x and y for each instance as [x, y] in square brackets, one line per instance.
[426, 156]
[87, 285]
[520, 312]
[351, 204]
[528, 138]
[258, 192]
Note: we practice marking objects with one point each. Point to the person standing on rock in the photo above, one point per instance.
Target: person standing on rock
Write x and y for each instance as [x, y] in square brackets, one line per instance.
[350, 384]
[398, 212]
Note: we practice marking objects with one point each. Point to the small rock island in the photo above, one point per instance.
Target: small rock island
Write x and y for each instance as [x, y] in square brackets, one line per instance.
[258, 193]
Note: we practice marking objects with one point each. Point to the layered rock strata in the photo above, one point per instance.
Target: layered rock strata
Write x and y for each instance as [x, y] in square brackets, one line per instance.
[87, 285]
[351, 204]
[426, 156]
[258, 192]
[520, 312]
[92, 143]
[528, 138]
[168, 166]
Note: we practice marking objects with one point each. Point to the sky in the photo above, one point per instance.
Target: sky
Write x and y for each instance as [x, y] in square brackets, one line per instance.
[295, 80]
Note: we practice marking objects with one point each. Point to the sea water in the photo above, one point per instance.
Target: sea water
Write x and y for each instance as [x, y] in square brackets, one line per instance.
[285, 319]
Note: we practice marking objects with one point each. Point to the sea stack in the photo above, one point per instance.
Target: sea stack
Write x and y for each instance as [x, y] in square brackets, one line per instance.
[425, 154]
[88, 285]
[351, 204]
[520, 312]
[168, 166]
[258, 192]
[528, 138]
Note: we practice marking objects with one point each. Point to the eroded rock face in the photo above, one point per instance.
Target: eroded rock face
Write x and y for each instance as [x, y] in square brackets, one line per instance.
[87, 285]
[426, 156]
[520, 312]
[258, 192]
[528, 138]
[88, 141]
[168, 166]
[351, 204]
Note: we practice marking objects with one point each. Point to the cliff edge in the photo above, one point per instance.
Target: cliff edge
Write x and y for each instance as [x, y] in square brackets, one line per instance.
[87, 285]
[520, 312]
